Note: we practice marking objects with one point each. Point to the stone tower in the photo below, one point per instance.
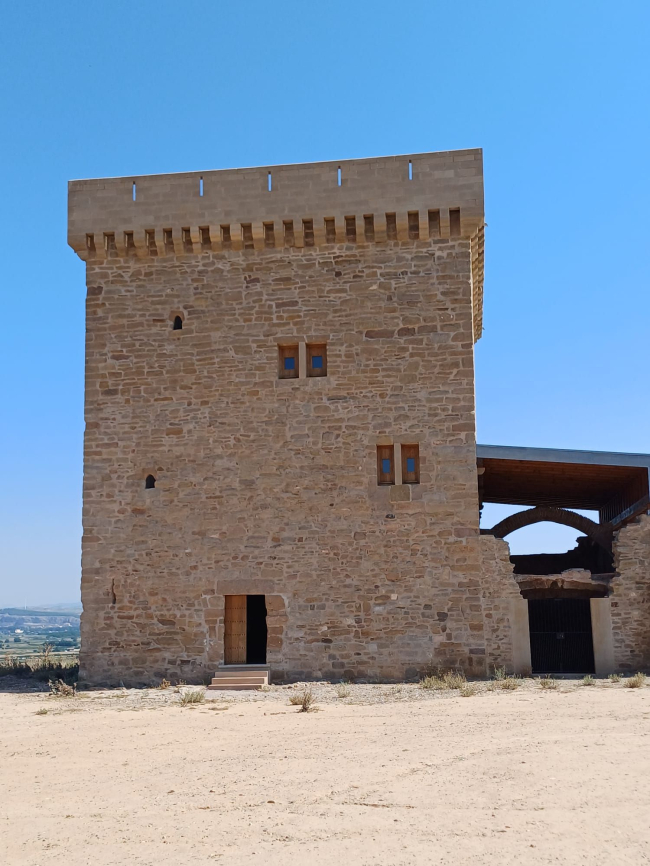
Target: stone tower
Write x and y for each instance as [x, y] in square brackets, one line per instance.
[280, 409]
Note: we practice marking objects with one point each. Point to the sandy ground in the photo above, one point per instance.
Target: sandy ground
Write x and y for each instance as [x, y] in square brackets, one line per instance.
[387, 775]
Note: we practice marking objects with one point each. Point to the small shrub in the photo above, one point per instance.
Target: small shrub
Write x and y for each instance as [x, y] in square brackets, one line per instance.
[508, 683]
[304, 700]
[164, 684]
[41, 712]
[62, 690]
[614, 678]
[588, 680]
[547, 683]
[343, 690]
[192, 697]
[499, 673]
[467, 690]
[443, 681]
[454, 679]
[635, 682]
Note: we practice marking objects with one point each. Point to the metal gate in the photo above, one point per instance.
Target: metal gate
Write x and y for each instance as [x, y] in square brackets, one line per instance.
[561, 641]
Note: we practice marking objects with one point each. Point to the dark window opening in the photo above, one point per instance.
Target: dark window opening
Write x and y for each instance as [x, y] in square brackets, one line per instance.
[316, 359]
[269, 235]
[351, 229]
[178, 324]
[369, 226]
[188, 245]
[385, 464]
[256, 630]
[168, 240]
[90, 243]
[129, 243]
[149, 482]
[410, 464]
[288, 363]
[226, 238]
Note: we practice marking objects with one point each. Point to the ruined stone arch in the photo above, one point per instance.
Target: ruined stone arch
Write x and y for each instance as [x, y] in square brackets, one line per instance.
[597, 532]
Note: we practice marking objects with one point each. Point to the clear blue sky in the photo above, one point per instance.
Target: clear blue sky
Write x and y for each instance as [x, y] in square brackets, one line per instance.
[556, 93]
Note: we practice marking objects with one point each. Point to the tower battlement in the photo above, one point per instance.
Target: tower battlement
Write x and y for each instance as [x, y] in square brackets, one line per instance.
[386, 199]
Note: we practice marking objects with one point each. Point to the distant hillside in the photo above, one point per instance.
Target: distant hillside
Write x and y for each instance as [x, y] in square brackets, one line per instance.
[30, 613]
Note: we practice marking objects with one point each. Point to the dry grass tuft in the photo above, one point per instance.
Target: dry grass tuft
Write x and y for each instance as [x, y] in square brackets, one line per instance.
[499, 674]
[588, 680]
[635, 682]
[443, 681]
[468, 690]
[614, 678]
[508, 684]
[164, 684]
[41, 712]
[343, 690]
[192, 697]
[305, 700]
[547, 683]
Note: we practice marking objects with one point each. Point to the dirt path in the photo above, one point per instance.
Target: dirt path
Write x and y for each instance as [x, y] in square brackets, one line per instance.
[380, 777]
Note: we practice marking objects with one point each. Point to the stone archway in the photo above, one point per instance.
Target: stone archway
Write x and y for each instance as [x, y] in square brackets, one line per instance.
[600, 533]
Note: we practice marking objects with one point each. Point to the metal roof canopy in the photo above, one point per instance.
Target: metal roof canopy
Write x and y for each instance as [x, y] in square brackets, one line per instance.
[616, 485]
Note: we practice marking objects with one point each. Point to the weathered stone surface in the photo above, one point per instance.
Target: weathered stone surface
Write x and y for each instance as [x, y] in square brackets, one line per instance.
[630, 603]
[498, 588]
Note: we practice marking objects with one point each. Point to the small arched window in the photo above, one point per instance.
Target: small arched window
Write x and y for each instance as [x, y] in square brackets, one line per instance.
[178, 324]
[149, 483]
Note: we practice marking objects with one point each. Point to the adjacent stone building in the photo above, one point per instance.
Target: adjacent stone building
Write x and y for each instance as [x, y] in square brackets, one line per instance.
[280, 462]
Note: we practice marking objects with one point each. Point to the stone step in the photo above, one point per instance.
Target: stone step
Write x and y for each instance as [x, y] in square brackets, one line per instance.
[227, 669]
[240, 677]
[233, 687]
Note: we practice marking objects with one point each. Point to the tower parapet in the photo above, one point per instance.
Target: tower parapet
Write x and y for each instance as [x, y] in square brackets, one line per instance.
[386, 199]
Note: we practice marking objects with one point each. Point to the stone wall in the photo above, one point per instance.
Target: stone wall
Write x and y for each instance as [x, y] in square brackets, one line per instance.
[630, 600]
[501, 600]
[269, 486]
